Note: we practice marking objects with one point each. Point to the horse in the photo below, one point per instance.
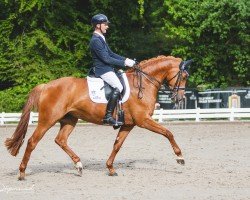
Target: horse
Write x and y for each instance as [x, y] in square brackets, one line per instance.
[65, 100]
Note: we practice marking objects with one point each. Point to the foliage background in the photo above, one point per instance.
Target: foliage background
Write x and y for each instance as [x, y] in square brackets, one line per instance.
[41, 40]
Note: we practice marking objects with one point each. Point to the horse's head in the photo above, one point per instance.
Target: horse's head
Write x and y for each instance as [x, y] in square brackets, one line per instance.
[161, 68]
[177, 78]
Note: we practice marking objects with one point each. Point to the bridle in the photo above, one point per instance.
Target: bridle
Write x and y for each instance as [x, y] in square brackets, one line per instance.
[176, 87]
[173, 89]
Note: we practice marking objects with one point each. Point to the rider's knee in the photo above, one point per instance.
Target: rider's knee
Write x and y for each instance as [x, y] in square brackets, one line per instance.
[120, 88]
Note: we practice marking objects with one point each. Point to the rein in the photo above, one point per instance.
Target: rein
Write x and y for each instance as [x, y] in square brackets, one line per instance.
[174, 89]
[139, 73]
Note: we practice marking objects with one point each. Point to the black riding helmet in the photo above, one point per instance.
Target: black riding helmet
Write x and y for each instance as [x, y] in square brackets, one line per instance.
[99, 19]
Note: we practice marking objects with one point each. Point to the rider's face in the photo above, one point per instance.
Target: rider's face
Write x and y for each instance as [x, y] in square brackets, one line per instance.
[104, 27]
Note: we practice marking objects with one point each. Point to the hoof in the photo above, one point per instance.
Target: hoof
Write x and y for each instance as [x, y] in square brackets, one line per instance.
[180, 161]
[79, 171]
[22, 176]
[113, 174]
[79, 168]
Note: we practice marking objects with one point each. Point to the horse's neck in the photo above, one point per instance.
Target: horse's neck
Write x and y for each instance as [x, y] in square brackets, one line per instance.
[155, 75]
[159, 71]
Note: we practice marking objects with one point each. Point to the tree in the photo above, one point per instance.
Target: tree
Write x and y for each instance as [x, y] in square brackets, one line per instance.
[214, 33]
[41, 40]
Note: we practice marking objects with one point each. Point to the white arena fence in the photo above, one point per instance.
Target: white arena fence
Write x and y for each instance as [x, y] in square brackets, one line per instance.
[198, 114]
[161, 115]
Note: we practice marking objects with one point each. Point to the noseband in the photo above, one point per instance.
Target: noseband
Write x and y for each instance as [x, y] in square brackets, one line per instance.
[174, 89]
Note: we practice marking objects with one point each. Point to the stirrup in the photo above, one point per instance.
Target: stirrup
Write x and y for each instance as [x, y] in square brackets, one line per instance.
[111, 121]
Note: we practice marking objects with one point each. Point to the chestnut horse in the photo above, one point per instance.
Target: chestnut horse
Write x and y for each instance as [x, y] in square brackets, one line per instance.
[66, 100]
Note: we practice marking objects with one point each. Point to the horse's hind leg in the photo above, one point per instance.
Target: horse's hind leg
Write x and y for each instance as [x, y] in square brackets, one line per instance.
[31, 145]
[151, 125]
[67, 125]
[121, 136]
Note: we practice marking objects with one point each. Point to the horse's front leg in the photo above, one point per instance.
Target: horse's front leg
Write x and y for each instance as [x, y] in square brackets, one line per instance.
[152, 125]
[121, 136]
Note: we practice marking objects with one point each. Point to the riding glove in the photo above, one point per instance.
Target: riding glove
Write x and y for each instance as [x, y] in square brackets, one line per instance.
[129, 62]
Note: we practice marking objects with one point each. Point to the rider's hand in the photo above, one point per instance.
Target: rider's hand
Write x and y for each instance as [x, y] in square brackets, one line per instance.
[129, 62]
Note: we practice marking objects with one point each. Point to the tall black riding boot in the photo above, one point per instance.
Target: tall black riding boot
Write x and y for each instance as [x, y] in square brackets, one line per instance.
[108, 119]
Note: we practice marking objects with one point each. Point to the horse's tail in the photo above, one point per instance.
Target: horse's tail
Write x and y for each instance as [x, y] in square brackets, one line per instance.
[14, 143]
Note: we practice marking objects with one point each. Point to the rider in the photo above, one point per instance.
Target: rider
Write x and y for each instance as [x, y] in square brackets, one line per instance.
[104, 61]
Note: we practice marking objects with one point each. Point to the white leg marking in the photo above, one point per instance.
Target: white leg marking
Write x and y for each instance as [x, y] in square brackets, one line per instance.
[78, 165]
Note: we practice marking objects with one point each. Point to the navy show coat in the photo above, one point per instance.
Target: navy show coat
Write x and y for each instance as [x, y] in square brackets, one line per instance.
[104, 60]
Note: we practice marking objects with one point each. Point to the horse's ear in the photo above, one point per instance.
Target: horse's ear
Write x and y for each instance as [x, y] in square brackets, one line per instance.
[185, 64]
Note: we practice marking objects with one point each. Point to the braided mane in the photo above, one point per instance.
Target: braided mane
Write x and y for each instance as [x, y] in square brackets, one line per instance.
[156, 60]
[152, 61]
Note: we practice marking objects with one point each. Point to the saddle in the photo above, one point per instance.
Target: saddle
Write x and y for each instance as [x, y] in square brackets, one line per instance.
[107, 88]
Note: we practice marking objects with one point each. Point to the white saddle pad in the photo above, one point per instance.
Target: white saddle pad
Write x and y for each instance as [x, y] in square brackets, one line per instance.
[96, 90]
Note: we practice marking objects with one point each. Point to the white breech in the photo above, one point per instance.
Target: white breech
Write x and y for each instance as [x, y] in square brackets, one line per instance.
[112, 80]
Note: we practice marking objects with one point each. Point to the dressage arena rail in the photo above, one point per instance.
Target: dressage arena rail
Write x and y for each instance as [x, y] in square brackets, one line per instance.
[198, 114]
[161, 115]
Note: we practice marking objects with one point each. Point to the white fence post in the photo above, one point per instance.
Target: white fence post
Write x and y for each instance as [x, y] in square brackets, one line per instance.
[231, 114]
[31, 118]
[2, 119]
[161, 115]
[197, 118]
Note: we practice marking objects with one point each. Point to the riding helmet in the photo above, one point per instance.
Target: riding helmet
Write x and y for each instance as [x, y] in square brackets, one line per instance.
[98, 19]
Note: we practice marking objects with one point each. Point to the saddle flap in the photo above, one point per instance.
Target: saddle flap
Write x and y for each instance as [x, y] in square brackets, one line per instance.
[97, 88]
